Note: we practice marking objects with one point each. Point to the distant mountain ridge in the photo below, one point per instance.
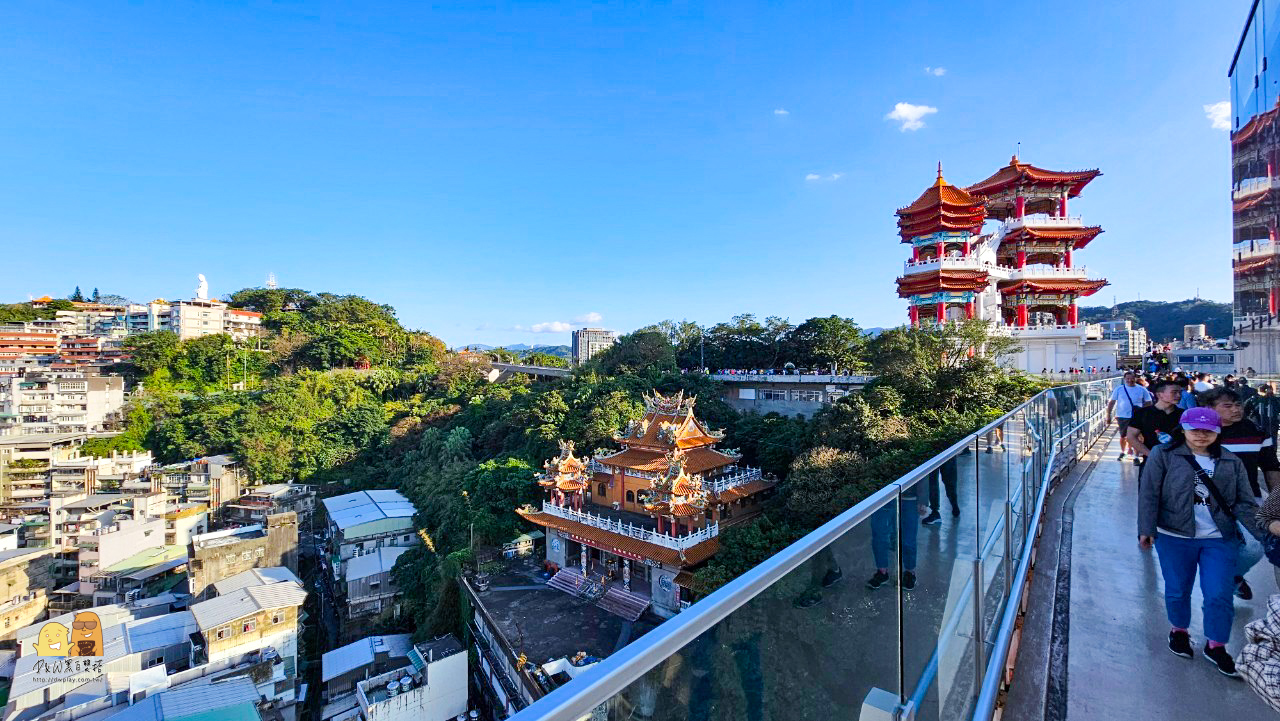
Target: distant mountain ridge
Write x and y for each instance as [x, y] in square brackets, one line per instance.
[563, 351]
[1164, 319]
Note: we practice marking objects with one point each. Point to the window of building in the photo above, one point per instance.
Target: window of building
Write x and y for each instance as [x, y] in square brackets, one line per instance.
[224, 632]
[259, 552]
[248, 626]
[811, 396]
[768, 394]
[277, 618]
[631, 497]
[245, 556]
[600, 490]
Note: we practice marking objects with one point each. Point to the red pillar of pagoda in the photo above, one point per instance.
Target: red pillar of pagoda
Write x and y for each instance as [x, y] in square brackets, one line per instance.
[1022, 258]
[1020, 207]
[1022, 315]
[968, 310]
[1271, 300]
[1062, 206]
[942, 312]
[914, 313]
[915, 252]
[1073, 313]
[1067, 258]
[942, 250]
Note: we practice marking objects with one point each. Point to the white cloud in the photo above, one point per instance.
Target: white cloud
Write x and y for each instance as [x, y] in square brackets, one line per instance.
[911, 116]
[813, 176]
[781, 111]
[937, 72]
[555, 326]
[816, 176]
[591, 317]
[1219, 114]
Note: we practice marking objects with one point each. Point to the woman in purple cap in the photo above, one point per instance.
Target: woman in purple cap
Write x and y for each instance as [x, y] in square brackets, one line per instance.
[1189, 501]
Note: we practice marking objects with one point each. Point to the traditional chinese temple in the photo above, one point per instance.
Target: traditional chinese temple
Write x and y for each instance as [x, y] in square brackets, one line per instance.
[627, 527]
[1019, 272]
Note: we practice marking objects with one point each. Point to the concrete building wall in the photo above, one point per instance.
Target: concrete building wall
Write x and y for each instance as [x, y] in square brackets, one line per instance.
[278, 547]
[277, 628]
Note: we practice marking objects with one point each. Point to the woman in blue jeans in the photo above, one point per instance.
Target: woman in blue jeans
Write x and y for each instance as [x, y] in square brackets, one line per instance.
[1192, 495]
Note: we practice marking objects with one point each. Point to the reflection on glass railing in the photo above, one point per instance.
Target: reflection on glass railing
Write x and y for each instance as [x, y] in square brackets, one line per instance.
[891, 608]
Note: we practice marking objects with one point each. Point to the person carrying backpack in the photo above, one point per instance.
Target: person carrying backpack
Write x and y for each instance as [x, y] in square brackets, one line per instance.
[1192, 499]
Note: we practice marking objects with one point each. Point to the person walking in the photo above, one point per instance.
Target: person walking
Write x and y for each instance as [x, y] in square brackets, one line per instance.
[1264, 409]
[1158, 423]
[1192, 495]
[1257, 452]
[882, 523]
[1125, 399]
[948, 475]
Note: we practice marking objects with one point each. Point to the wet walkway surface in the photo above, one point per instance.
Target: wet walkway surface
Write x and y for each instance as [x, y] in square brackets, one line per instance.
[1117, 662]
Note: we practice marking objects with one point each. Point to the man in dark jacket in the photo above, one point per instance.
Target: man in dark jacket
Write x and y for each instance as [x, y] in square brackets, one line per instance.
[1264, 409]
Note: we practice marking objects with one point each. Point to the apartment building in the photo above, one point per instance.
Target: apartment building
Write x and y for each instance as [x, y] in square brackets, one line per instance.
[59, 402]
[223, 554]
[587, 342]
[365, 521]
[432, 686]
[212, 480]
[368, 589]
[28, 578]
[148, 317]
[258, 502]
[200, 317]
[184, 521]
[254, 617]
[31, 338]
[342, 668]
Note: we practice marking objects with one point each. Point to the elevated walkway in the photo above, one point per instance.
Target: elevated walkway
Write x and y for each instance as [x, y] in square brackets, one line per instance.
[1094, 641]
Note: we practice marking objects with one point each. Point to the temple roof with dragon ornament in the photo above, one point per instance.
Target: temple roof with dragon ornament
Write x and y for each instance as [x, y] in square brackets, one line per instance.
[566, 472]
[1020, 174]
[676, 492]
[668, 424]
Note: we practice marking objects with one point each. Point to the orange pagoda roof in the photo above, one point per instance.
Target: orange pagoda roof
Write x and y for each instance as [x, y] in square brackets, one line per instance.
[1256, 124]
[1080, 236]
[1017, 173]
[943, 280]
[941, 207]
[565, 472]
[697, 460]
[1240, 206]
[1252, 265]
[1079, 286]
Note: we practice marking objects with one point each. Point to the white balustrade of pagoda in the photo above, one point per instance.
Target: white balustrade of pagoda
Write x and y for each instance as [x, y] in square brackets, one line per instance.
[741, 478]
[631, 530]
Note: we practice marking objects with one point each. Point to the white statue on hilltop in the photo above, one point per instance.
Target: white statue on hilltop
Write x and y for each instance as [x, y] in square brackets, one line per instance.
[202, 290]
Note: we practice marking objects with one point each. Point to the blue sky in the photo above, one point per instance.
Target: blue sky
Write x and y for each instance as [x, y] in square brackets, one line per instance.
[536, 165]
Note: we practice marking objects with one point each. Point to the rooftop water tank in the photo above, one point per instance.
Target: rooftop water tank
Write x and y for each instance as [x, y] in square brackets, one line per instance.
[393, 688]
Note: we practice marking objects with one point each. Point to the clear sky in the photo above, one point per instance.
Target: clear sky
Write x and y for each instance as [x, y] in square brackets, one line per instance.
[535, 165]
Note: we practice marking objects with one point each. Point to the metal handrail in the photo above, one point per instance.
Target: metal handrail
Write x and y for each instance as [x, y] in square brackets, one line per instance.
[984, 706]
[617, 672]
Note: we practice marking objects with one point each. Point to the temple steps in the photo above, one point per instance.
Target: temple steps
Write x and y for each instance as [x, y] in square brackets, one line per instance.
[615, 600]
[569, 580]
[620, 603]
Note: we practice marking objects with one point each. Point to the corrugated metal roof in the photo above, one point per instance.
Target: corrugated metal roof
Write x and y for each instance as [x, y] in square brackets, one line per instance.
[353, 509]
[361, 653]
[245, 601]
[371, 564]
[254, 577]
[148, 634]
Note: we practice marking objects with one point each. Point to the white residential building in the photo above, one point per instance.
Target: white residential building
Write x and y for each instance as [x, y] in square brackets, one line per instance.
[59, 402]
[365, 521]
[432, 687]
[587, 342]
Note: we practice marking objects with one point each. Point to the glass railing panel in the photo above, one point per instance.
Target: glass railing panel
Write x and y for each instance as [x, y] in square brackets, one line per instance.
[937, 619]
[813, 645]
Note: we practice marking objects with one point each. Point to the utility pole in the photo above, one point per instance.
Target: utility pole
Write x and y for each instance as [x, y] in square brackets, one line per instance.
[702, 349]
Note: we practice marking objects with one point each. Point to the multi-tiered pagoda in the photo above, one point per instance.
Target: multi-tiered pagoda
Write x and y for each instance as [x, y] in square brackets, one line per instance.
[1021, 274]
[625, 528]
[946, 274]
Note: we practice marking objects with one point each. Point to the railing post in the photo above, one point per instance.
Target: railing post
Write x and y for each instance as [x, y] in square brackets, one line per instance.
[979, 633]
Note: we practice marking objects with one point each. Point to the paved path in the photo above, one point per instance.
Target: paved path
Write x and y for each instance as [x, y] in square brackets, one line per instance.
[1118, 664]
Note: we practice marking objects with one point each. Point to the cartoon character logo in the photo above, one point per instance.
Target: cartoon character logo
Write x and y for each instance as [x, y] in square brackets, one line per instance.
[52, 640]
[86, 634]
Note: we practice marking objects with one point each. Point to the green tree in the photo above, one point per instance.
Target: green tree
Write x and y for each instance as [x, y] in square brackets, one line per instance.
[77, 296]
[637, 352]
[150, 352]
[831, 342]
[96, 295]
